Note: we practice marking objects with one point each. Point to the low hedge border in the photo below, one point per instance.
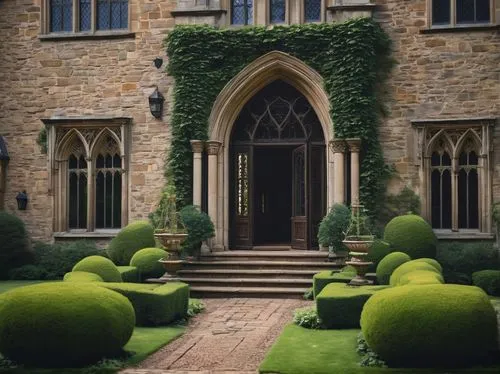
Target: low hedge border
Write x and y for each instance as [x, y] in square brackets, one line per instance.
[488, 280]
[129, 274]
[324, 278]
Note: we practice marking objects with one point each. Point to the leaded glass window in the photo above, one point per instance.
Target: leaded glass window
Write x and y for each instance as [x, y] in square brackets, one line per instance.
[112, 14]
[441, 189]
[61, 15]
[277, 11]
[108, 186]
[468, 190]
[241, 12]
[473, 11]
[77, 170]
[85, 15]
[312, 10]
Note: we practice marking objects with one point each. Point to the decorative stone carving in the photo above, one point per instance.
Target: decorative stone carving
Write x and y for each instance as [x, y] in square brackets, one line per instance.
[213, 147]
[197, 146]
[338, 145]
[354, 144]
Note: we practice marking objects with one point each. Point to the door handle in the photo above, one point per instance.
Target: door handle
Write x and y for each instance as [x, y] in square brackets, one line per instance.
[263, 202]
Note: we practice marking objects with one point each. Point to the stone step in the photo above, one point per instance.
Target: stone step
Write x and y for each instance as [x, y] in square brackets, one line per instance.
[251, 273]
[245, 264]
[267, 255]
[259, 292]
[248, 282]
[271, 248]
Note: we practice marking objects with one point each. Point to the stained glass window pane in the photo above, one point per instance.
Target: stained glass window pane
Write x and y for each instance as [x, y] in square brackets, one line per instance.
[61, 15]
[312, 10]
[277, 10]
[441, 12]
[103, 15]
[85, 15]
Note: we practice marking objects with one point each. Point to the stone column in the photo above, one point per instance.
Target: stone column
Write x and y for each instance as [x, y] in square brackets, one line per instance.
[213, 151]
[197, 147]
[354, 146]
[338, 148]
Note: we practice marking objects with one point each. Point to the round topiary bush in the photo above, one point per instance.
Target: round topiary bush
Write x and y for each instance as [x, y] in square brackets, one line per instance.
[432, 262]
[63, 324]
[411, 234]
[146, 260]
[488, 280]
[420, 277]
[82, 276]
[130, 239]
[408, 267]
[430, 325]
[388, 264]
[377, 252]
[15, 250]
[101, 266]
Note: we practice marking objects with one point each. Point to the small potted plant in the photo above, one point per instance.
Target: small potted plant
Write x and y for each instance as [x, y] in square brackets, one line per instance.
[199, 228]
[332, 227]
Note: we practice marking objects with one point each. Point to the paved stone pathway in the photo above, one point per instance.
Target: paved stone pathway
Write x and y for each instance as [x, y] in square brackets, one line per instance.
[231, 336]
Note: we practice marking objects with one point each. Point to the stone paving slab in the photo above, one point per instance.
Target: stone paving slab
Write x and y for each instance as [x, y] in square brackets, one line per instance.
[231, 336]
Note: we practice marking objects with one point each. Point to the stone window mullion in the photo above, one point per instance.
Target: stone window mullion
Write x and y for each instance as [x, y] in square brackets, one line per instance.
[454, 193]
[91, 194]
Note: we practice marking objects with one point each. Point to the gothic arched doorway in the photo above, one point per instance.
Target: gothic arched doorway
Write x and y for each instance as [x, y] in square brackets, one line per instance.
[278, 170]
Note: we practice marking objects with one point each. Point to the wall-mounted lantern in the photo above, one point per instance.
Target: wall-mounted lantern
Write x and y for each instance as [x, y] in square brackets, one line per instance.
[156, 103]
[158, 61]
[22, 200]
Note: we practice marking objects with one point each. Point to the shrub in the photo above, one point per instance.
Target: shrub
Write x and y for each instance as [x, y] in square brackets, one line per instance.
[82, 276]
[130, 239]
[146, 262]
[408, 267]
[488, 280]
[63, 324]
[339, 305]
[195, 306]
[153, 304]
[199, 227]
[324, 278]
[307, 318]
[28, 272]
[101, 266]
[466, 257]
[430, 325]
[129, 274]
[420, 277]
[333, 225]
[412, 235]
[58, 259]
[388, 264]
[432, 262]
[15, 250]
[377, 252]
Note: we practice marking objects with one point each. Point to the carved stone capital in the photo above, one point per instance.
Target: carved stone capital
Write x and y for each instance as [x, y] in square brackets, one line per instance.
[338, 146]
[197, 146]
[213, 147]
[354, 144]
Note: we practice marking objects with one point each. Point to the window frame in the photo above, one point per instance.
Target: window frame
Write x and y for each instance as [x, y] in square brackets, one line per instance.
[46, 18]
[322, 14]
[287, 13]
[91, 132]
[457, 132]
[453, 17]
[230, 14]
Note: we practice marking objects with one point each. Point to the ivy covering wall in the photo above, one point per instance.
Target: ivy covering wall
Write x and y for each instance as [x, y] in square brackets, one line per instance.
[352, 57]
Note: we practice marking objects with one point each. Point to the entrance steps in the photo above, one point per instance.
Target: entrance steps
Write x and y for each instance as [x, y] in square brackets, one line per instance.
[261, 273]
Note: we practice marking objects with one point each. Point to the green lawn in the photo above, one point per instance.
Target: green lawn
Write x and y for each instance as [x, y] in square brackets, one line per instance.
[303, 351]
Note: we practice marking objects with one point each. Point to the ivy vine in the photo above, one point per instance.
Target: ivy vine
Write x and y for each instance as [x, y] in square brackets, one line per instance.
[353, 58]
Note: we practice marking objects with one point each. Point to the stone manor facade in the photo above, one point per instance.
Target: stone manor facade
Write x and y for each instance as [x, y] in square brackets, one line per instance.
[83, 70]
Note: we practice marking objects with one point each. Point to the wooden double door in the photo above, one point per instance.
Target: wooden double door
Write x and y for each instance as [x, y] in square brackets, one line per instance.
[278, 194]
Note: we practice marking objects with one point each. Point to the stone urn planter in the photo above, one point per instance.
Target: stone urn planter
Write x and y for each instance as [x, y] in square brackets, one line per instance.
[172, 243]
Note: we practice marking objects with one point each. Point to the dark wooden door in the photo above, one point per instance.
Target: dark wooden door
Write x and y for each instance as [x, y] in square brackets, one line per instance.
[300, 226]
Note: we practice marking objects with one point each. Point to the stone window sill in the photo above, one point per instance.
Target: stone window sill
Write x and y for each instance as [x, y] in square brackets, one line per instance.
[464, 28]
[101, 234]
[463, 235]
[118, 34]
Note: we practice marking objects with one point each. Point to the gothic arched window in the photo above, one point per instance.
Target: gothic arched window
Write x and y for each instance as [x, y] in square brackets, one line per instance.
[78, 177]
[441, 190]
[468, 190]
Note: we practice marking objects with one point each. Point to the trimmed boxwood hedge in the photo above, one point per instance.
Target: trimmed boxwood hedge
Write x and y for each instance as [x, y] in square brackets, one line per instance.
[146, 261]
[388, 264]
[488, 280]
[339, 305]
[153, 304]
[82, 276]
[101, 266]
[377, 252]
[129, 274]
[420, 277]
[15, 250]
[411, 234]
[130, 239]
[408, 267]
[63, 324]
[323, 278]
[430, 325]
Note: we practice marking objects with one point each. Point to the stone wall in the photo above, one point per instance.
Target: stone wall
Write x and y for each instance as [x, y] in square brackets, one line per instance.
[105, 77]
[438, 75]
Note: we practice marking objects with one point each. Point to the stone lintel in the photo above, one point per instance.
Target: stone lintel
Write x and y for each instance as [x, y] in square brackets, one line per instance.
[213, 147]
[338, 145]
[354, 144]
[197, 146]
[86, 121]
[422, 122]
